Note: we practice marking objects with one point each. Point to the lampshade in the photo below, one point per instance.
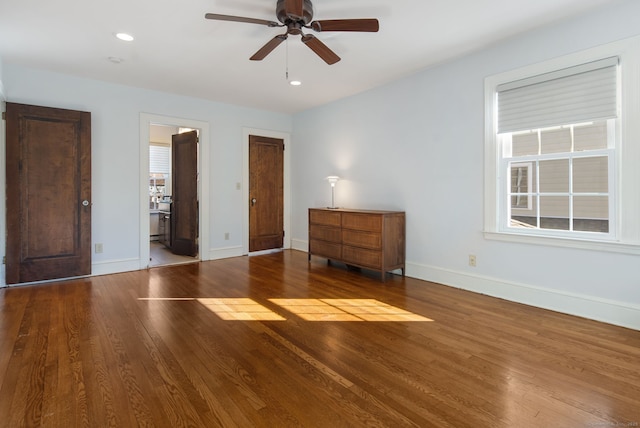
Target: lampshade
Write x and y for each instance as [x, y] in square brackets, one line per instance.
[332, 179]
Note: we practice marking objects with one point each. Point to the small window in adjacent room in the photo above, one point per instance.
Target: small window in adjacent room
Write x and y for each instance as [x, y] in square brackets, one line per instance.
[562, 150]
[159, 173]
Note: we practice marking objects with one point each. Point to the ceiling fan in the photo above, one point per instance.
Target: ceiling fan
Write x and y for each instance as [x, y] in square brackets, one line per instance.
[296, 15]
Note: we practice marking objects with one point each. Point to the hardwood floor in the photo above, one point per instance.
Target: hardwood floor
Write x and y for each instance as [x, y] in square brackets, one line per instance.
[277, 341]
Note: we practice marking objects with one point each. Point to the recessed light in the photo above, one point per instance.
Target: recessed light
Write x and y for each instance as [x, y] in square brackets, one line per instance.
[115, 59]
[124, 36]
[295, 83]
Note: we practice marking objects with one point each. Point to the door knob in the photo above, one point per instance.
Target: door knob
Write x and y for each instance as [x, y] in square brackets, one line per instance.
[85, 203]
[253, 201]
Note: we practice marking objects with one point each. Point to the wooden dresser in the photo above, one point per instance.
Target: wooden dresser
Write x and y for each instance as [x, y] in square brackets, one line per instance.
[362, 238]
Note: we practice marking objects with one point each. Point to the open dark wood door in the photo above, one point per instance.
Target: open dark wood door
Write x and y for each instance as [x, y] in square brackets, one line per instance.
[266, 193]
[184, 209]
[48, 193]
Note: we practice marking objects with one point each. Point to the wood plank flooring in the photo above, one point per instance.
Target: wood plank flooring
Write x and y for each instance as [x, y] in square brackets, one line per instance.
[277, 341]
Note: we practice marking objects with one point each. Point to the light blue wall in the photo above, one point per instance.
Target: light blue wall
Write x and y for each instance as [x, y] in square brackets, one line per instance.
[2, 91]
[418, 145]
[115, 114]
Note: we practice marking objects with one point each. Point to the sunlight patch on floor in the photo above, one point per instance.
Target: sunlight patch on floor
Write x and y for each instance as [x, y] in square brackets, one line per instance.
[346, 310]
[239, 309]
[246, 309]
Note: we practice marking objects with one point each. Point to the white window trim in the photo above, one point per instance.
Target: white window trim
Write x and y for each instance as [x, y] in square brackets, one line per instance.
[627, 180]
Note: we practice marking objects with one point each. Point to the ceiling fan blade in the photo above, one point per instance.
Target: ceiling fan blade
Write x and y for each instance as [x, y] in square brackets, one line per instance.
[294, 9]
[270, 46]
[364, 25]
[241, 19]
[320, 49]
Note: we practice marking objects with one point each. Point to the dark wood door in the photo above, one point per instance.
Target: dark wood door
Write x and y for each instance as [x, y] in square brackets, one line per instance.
[266, 193]
[48, 193]
[184, 209]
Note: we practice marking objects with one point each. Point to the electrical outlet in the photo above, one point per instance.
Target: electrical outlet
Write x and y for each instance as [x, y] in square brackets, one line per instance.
[99, 248]
[472, 260]
[226, 236]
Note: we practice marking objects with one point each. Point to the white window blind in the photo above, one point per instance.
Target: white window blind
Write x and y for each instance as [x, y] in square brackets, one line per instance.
[159, 159]
[572, 95]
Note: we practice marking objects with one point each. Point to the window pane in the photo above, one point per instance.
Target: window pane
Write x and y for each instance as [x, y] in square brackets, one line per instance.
[159, 159]
[524, 222]
[554, 212]
[590, 137]
[591, 213]
[520, 185]
[524, 144]
[519, 179]
[520, 201]
[555, 140]
[554, 176]
[591, 175]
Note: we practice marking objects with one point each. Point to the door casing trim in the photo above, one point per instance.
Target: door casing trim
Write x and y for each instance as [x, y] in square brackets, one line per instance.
[147, 119]
[286, 137]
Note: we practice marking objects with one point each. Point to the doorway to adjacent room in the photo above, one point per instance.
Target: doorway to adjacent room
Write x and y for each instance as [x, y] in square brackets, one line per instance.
[174, 197]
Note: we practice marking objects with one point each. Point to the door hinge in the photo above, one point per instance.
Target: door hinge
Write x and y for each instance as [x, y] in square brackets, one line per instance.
[4, 115]
[4, 260]
[283, 233]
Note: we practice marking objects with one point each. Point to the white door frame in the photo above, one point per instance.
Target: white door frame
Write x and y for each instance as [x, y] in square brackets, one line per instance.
[246, 132]
[3, 174]
[146, 120]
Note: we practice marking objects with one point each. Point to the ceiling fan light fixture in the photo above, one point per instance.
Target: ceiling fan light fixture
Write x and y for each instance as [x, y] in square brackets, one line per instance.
[124, 37]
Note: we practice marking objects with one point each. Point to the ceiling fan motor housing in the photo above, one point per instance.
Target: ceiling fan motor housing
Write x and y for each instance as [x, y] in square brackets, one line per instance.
[307, 12]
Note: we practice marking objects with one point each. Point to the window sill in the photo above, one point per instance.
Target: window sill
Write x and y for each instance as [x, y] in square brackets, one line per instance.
[613, 247]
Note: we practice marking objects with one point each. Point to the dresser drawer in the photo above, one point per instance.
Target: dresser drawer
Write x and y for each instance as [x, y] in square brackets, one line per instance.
[357, 221]
[325, 233]
[326, 249]
[362, 257]
[327, 218]
[362, 239]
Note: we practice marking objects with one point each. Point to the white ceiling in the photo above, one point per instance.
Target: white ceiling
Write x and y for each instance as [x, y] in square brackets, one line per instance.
[176, 50]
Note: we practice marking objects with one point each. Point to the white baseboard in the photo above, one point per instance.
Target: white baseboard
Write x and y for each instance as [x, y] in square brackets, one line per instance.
[609, 311]
[224, 253]
[114, 266]
[300, 245]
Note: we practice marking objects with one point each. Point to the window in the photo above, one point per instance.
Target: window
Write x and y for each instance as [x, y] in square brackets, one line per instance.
[159, 173]
[560, 177]
[561, 160]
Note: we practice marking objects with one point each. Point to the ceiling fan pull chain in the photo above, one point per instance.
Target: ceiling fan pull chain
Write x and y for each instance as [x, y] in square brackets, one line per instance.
[287, 60]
